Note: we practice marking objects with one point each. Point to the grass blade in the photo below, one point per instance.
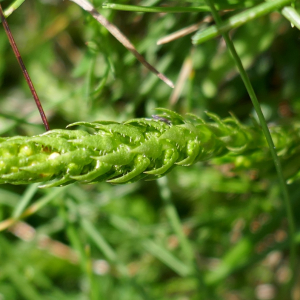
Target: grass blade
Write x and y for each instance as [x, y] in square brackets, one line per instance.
[238, 20]
[154, 9]
[292, 15]
[269, 139]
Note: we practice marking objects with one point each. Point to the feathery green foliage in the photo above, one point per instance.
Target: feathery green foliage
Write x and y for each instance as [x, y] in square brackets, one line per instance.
[136, 149]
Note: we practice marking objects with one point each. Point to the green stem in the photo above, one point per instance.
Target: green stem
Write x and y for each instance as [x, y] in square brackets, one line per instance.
[292, 15]
[107, 250]
[26, 198]
[238, 20]
[267, 134]
[154, 9]
[174, 219]
[15, 5]
[103, 246]
[18, 120]
[184, 242]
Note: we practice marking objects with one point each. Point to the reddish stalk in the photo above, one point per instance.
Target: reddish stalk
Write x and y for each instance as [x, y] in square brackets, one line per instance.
[23, 68]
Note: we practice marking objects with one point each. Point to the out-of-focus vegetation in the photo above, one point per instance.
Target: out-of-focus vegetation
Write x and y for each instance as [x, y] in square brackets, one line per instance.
[203, 232]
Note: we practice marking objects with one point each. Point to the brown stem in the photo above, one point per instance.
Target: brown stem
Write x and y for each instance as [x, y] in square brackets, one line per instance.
[23, 68]
[87, 6]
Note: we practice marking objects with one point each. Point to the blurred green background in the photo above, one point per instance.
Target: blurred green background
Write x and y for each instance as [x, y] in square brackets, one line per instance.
[203, 232]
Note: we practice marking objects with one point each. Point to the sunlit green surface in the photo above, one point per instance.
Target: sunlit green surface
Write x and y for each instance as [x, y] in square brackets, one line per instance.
[234, 224]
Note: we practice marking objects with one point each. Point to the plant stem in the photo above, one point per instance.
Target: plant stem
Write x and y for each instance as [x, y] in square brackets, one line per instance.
[24, 70]
[174, 219]
[33, 208]
[103, 246]
[26, 198]
[15, 5]
[292, 15]
[184, 242]
[154, 9]
[87, 6]
[238, 20]
[267, 134]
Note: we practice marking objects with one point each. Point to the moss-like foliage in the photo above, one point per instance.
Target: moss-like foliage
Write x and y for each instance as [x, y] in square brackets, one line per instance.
[139, 148]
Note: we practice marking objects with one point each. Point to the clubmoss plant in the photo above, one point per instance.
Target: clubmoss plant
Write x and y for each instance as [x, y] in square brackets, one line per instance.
[139, 148]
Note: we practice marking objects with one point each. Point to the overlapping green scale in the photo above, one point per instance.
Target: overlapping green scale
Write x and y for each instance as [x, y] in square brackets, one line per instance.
[139, 148]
